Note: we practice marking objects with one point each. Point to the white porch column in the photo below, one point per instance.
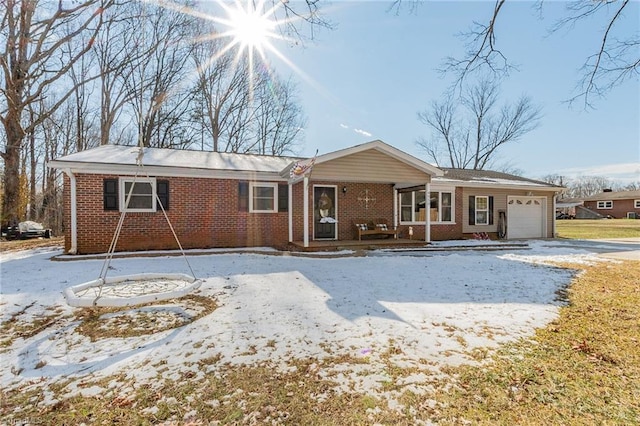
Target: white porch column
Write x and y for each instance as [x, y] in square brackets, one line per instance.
[395, 208]
[427, 207]
[290, 209]
[73, 249]
[306, 211]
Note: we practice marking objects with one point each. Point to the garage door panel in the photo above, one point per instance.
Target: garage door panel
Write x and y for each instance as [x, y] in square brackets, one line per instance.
[525, 217]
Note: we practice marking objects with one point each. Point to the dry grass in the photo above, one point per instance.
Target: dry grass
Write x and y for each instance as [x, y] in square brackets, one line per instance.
[13, 245]
[597, 229]
[101, 323]
[584, 368]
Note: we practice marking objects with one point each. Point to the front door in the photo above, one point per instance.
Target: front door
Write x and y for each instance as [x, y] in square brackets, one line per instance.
[325, 213]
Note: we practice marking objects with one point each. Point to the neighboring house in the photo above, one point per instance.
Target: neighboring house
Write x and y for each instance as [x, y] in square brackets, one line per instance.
[615, 204]
[240, 200]
[567, 208]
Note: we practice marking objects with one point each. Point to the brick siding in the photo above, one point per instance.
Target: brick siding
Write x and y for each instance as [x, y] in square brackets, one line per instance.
[204, 214]
[619, 210]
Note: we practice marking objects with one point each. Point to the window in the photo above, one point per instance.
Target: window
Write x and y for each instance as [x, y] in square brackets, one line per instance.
[605, 204]
[143, 195]
[446, 207]
[110, 194]
[440, 207]
[412, 206]
[482, 210]
[636, 204]
[262, 197]
[406, 206]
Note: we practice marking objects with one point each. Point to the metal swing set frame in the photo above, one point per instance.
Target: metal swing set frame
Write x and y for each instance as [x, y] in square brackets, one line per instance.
[136, 289]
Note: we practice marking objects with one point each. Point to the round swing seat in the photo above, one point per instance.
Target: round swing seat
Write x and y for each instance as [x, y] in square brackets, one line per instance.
[128, 290]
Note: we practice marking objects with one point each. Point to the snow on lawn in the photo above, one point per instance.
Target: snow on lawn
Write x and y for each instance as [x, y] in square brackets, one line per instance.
[427, 310]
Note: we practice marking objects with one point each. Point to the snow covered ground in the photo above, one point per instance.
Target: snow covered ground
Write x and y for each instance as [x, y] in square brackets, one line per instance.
[429, 308]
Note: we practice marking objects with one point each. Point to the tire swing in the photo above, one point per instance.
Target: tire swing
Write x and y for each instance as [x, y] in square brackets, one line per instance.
[136, 289]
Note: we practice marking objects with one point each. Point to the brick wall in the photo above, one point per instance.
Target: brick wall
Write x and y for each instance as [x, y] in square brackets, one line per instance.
[203, 212]
[619, 210]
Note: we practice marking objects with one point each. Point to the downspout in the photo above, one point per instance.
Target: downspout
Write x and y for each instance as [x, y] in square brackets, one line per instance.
[553, 215]
[74, 217]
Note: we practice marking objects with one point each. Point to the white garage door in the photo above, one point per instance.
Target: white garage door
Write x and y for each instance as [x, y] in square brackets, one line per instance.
[525, 217]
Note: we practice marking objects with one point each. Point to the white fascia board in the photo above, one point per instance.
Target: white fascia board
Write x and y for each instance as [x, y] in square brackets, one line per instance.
[523, 186]
[131, 170]
[500, 185]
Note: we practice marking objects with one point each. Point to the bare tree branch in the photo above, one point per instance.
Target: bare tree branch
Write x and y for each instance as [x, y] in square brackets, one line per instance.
[615, 60]
[472, 137]
[612, 60]
[481, 51]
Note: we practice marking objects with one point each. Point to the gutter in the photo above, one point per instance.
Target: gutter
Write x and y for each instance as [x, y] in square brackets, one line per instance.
[74, 216]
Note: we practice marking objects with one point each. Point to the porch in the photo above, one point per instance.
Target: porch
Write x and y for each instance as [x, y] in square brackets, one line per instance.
[364, 244]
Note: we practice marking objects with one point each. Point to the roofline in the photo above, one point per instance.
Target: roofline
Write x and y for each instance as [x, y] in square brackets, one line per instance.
[526, 187]
[466, 184]
[386, 149]
[172, 171]
[168, 171]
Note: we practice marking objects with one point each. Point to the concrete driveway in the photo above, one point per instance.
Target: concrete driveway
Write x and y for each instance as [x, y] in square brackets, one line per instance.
[613, 248]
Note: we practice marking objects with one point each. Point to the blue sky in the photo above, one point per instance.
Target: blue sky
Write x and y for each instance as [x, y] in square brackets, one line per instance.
[368, 78]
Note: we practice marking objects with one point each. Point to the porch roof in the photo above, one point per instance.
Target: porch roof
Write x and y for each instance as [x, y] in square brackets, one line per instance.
[373, 161]
[482, 179]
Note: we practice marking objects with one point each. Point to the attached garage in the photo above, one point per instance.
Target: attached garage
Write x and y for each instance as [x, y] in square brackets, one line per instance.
[526, 217]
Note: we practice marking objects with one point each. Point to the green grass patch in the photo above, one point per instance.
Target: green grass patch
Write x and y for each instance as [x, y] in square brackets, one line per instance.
[597, 229]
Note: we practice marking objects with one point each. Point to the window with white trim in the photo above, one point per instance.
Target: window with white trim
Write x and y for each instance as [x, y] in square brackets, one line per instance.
[263, 197]
[441, 207]
[605, 204]
[140, 193]
[413, 206]
[636, 204]
[482, 210]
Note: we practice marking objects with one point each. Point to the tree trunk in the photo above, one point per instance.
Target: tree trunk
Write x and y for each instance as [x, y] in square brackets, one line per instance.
[33, 163]
[11, 200]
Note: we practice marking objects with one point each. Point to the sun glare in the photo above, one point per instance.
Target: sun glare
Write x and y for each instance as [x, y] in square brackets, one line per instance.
[245, 26]
[249, 28]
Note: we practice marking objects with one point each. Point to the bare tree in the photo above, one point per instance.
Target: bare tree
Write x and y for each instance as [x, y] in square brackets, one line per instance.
[279, 119]
[118, 55]
[221, 92]
[585, 186]
[33, 36]
[615, 60]
[633, 186]
[471, 138]
[158, 96]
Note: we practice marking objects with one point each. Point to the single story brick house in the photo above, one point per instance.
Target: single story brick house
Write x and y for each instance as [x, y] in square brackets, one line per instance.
[616, 204]
[215, 199]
